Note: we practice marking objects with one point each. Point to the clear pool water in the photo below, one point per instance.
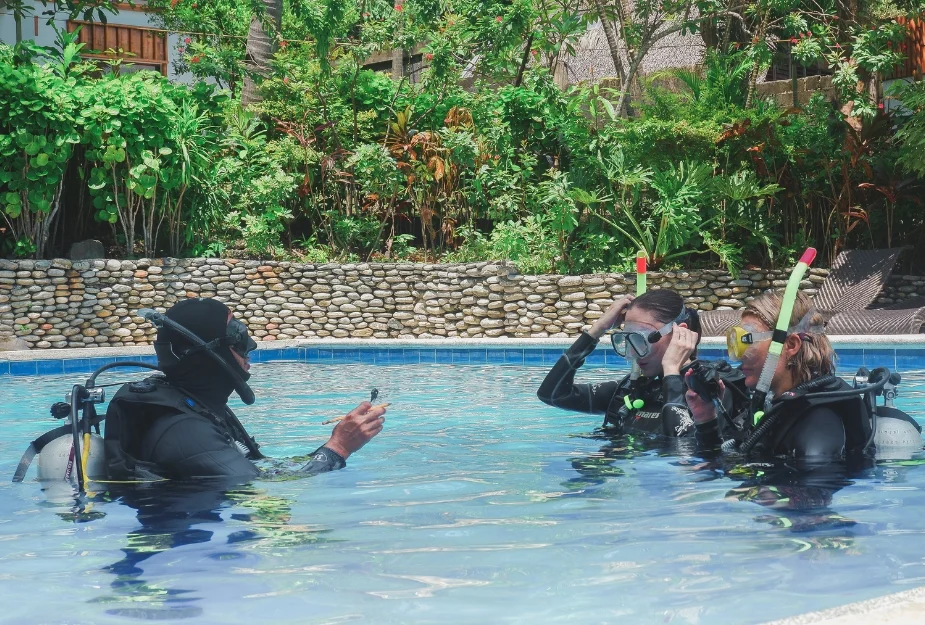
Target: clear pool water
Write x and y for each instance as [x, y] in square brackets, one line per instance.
[477, 504]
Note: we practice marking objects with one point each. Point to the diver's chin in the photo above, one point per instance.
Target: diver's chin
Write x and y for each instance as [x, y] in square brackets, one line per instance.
[645, 367]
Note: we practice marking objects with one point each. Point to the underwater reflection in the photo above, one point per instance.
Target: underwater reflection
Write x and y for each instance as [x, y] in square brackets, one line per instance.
[596, 468]
[798, 495]
[177, 514]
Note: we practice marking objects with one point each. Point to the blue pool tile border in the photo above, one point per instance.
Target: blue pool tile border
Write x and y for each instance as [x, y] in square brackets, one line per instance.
[849, 358]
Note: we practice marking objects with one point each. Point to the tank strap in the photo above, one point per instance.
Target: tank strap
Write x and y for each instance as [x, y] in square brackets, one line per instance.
[35, 447]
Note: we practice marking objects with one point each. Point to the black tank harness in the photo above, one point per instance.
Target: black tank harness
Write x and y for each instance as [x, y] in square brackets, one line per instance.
[855, 405]
[137, 399]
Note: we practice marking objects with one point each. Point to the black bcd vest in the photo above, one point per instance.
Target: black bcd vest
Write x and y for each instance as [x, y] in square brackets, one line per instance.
[137, 406]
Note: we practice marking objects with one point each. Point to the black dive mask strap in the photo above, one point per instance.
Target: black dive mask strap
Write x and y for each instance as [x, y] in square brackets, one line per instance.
[656, 335]
[166, 348]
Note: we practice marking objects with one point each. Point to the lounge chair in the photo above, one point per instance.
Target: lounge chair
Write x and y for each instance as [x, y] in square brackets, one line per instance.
[903, 318]
[853, 283]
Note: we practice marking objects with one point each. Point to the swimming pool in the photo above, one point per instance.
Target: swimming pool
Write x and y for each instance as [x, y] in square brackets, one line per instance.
[476, 504]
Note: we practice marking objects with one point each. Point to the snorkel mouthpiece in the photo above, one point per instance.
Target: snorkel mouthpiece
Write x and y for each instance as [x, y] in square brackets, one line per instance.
[160, 321]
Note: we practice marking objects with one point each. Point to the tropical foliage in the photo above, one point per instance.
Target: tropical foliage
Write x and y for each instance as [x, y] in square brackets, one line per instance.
[476, 151]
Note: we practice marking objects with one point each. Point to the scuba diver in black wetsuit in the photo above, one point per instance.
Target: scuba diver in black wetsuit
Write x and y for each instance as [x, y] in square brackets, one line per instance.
[659, 335]
[179, 425]
[817, 431]
[812, 414]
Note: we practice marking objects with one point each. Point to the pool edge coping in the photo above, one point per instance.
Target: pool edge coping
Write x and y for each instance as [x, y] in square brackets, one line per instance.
[901, 608]
[896, 341]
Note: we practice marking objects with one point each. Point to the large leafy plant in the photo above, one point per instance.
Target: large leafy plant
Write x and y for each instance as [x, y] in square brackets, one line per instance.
[37, 138]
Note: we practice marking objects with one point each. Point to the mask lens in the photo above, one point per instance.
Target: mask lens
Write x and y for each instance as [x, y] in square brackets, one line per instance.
[735, 342]
[630, 344]
[618, 341]
[239, 339]
[739, 340]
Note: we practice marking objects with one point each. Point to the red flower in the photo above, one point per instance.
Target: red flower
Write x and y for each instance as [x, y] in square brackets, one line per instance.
[429, 57]
[181, 49]
[286, 80]
[498, 19]
[399, 7]
[793, 40]
[880, 106]
[283, 44]
[534, 52]
[195, 59]
[186, 40]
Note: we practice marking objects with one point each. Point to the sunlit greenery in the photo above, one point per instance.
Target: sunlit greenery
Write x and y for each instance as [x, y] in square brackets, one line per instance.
[476, 154]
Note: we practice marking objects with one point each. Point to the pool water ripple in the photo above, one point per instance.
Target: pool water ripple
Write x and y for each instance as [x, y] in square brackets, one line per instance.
[476, 504]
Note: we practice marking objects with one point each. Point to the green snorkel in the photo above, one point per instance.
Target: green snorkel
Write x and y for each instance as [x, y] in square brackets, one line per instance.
[635, 372]
[640, 290]
[780, 333]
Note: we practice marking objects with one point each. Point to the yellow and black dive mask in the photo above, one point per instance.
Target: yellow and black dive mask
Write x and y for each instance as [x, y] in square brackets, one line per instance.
[740, 338]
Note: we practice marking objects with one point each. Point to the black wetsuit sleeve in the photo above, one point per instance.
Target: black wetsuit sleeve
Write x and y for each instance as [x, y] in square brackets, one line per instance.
[675, 415]
[709, 439]
[323, 460]
[187, 446]
[559, 388]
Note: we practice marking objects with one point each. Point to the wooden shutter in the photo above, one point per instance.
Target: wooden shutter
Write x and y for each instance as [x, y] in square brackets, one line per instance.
[144, 46]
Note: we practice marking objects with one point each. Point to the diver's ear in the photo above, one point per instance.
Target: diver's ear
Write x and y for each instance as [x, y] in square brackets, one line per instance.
[792, 345]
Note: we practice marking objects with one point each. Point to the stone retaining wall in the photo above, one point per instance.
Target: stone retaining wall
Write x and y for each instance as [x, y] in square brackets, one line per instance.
[62, 303]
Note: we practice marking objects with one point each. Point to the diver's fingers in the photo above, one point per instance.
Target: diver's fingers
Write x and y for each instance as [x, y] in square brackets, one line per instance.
[371, 429]
[375, 412]
[690, 339]
[362, 408]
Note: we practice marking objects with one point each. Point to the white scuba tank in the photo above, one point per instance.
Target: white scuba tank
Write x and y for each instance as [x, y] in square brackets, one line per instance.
[896, 438]
[55, 458]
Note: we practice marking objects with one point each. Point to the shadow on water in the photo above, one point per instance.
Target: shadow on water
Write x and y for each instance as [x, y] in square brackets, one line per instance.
[178, 514]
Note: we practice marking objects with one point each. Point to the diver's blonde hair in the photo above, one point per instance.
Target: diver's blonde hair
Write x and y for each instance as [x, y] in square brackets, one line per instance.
[816, 357]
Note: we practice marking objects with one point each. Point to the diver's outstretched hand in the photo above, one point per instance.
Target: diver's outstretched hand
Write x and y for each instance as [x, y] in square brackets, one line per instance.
[356, 429]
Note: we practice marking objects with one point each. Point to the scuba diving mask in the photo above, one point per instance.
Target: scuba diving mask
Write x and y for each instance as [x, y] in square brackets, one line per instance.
[740, 338]
[238, 339]
[633, 344]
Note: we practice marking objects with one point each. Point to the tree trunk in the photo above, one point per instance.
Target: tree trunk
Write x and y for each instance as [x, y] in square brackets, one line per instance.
[756, 66]
[612, 41]
[260, 47]
[523, 63]
[630, 75]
